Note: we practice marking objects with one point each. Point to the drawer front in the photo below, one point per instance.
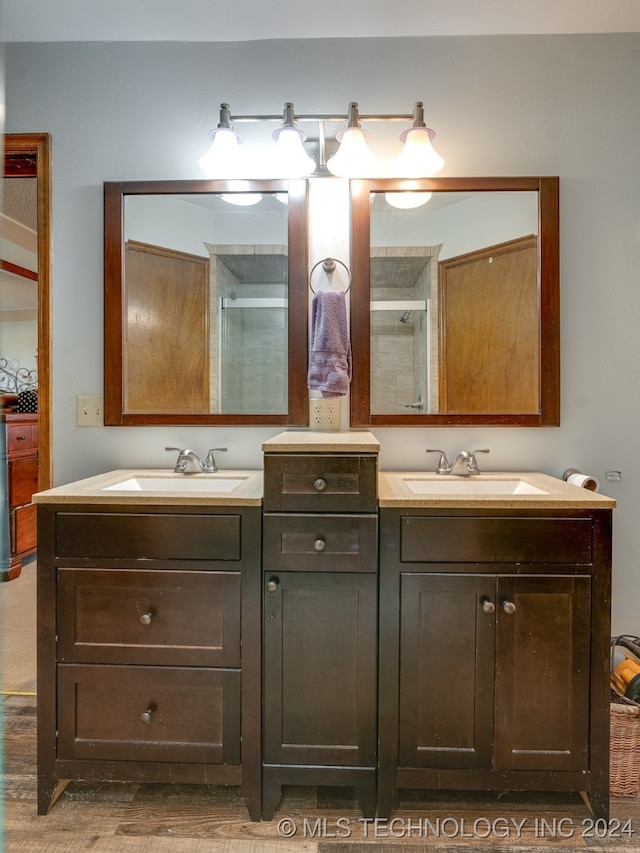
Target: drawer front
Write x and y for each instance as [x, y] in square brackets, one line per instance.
[320, 543]
[121, 713]
[23, 480]
[495, 540]
[319, 483]
[22, 437]
[24, 533]
[161, 536]
[146, 617]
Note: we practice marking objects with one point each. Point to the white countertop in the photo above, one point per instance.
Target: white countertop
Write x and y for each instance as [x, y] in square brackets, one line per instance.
[394, 492]
[322, 441]
[92, 490]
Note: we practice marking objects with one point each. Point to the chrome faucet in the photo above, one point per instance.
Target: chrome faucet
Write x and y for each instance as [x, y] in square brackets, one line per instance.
[464, 465]
[190, 463]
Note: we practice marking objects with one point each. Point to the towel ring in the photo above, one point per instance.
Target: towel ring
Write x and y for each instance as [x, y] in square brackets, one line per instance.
[329, 264]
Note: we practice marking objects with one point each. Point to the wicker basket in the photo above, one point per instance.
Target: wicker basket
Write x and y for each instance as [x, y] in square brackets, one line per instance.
[624, 769]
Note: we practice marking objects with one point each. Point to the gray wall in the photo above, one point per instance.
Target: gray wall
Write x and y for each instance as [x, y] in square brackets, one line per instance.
[549, 105]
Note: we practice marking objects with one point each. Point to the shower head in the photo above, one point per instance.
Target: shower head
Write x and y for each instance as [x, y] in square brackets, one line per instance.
[404, 317]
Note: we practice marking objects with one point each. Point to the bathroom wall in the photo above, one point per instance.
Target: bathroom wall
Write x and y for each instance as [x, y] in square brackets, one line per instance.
[548, 105]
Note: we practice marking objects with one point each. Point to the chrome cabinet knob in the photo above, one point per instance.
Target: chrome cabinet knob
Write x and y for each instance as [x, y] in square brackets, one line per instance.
[319, 544]
[272, 584]
[488, 606]
[146, 618]
[508, 607]
[145, 717]
[319, 485]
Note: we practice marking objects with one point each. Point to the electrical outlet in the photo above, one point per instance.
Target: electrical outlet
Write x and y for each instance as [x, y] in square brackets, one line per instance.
[324, 413]
[89, 410]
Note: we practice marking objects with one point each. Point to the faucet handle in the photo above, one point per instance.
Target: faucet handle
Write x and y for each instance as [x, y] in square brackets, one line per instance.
[473, 462]
[210, 462]
[443, 465]
[181, 464]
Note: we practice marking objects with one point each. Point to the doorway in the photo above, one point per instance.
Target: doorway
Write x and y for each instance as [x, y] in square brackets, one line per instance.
[28, 156]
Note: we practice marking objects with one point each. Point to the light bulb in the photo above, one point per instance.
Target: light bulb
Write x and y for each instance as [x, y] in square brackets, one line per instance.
[353, 158]
[242, 199]
[223, 159]
[418, 158]
[291, 160]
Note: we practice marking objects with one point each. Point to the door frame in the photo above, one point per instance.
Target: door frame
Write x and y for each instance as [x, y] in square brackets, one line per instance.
[29, 155]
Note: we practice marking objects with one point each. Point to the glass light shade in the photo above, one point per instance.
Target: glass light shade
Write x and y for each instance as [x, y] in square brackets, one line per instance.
[418, 158]
[353, 158]
[223, 159]
[291, 160]
[242, 199]
[407, 200]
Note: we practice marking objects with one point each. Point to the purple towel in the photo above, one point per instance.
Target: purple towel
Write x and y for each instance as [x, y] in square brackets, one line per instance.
[330, 352]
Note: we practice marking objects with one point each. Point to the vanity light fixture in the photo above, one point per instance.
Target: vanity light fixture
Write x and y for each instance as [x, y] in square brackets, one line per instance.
[352, 159]
[223, 159]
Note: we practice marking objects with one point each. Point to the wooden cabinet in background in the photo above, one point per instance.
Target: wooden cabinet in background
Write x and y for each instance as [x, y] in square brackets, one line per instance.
[19, 453]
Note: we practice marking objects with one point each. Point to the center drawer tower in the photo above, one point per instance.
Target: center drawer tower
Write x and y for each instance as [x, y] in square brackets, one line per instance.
[320, 546]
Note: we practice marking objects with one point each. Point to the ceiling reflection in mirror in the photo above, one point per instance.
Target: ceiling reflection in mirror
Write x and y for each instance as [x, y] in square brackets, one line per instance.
[454, 304]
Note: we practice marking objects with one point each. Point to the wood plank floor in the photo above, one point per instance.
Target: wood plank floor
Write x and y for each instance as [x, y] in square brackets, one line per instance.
[122, 818]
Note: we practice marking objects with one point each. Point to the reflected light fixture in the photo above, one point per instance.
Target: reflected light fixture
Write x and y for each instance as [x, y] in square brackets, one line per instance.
[407, 200]
[223, 159]
[353, 159]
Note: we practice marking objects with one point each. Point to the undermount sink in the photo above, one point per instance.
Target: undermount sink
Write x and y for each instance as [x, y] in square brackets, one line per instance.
[471, 487]
[179, 483]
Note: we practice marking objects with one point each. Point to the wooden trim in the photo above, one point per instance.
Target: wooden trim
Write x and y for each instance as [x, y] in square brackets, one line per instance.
[23, 272]
[29, 155]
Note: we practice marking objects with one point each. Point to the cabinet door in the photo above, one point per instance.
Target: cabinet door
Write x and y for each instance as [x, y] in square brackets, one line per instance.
[446, 670]
[320, 669]
[23, 480]
[542, 673]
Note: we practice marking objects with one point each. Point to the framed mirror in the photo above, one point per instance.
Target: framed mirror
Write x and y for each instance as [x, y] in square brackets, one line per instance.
[205, 302]
[455, 302]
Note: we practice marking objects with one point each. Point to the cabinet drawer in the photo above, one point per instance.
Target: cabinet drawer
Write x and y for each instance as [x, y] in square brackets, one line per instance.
[320, 543]
[24, 534]
[449, 539]
[22, 437]
[149, 617]
[161, 536]
[319, 483]
[23, 480]
[123, 713]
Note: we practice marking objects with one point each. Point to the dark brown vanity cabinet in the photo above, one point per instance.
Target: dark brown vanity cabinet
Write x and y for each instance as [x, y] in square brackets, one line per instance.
[494, 633]
[320, 624]
[149, 646]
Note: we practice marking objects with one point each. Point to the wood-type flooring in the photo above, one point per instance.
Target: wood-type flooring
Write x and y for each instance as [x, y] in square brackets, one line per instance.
[148, 818]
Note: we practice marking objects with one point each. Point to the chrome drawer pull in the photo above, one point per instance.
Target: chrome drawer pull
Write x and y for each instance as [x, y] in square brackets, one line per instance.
[488, 606]
[21, 437]
[319, 544]
[146, 618]
[319, 485]
[145, 717]
[272, 584]
[508, 607]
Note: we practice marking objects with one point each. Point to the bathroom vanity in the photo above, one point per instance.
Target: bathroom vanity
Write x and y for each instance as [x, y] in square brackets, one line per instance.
[494, 641]
[334, 625]
[149, 634]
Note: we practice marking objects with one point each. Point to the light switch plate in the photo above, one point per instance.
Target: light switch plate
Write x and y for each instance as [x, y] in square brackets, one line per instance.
[89, 410]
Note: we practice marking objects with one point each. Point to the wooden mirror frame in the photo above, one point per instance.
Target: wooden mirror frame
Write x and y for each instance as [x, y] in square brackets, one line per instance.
[114, 198]
[548, 289]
